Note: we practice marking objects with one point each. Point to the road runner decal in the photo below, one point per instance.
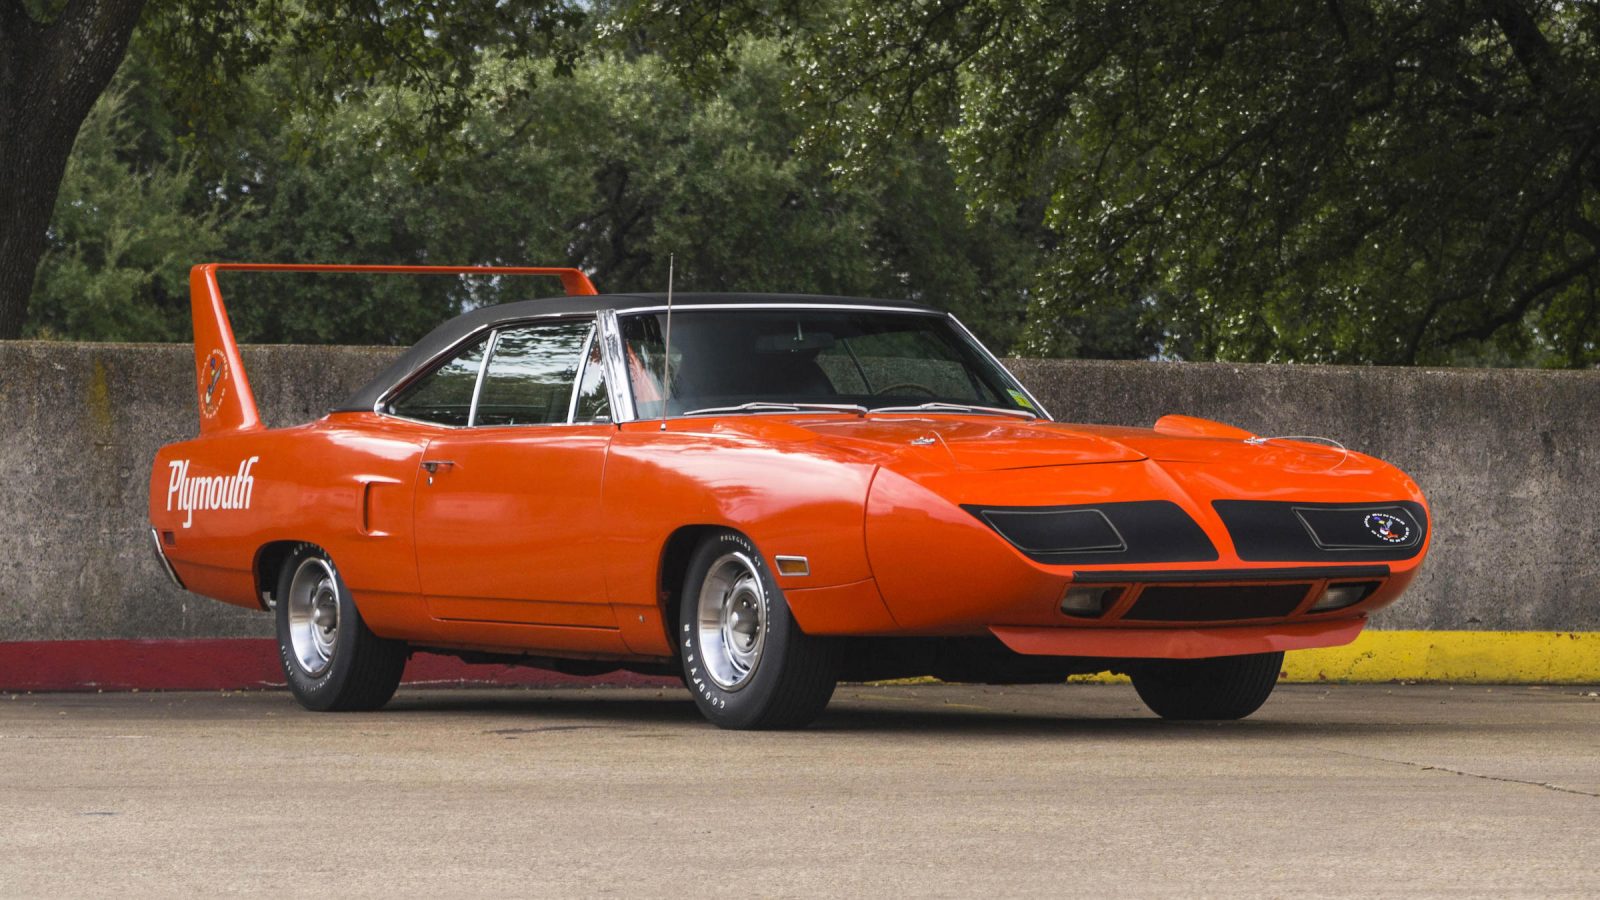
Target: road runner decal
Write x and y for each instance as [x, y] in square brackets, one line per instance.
[215, 387]
[213, 492]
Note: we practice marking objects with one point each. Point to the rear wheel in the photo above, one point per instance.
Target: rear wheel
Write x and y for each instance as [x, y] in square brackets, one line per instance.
[745, 659]
[1226, 687]
[331, 660]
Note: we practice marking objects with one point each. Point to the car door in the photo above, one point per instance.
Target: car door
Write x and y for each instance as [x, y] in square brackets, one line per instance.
[507, 504]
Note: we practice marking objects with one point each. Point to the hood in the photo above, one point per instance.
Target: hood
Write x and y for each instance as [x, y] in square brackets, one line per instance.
[1279, 453]
[966, 442]
[983, 443]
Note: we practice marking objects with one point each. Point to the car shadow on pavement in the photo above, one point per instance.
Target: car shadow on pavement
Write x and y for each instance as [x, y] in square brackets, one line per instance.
[513, 712]
[1008, 724]
[599, 703]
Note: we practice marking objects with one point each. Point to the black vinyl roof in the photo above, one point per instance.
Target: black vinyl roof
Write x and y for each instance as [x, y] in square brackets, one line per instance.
[454, 331]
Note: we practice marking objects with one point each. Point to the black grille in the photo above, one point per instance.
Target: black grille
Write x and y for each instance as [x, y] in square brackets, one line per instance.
[1099, 533]
[1275, 531]
[1216, 603]
[1058, 531]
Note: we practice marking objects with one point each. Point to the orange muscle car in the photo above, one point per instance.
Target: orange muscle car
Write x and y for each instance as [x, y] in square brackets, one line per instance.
[765, 494]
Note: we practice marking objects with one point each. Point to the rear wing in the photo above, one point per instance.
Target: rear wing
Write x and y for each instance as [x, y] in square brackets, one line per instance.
[226, 401]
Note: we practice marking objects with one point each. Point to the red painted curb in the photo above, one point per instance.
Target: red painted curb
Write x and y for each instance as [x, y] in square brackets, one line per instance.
[227, 664]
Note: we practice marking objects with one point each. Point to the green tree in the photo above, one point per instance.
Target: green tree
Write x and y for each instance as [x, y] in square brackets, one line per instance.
[58, 56]
[123, 237]
[613, 168]
[1339, 181]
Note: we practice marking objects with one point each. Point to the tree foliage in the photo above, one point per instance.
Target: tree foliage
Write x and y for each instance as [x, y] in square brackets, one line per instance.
[123, 238]
[614, 166]
[58, 56]
[1311, 180]
[1339, 181]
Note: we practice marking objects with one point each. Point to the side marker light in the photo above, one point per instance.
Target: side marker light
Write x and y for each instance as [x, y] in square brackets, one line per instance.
[793, 565]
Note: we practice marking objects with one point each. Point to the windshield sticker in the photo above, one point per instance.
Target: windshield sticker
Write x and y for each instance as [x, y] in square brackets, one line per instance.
[1019, 398]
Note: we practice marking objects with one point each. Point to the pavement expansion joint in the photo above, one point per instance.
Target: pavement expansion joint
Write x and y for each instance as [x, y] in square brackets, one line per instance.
[1424, 767]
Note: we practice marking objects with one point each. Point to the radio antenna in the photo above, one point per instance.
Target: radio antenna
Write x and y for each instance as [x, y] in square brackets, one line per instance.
[666, 350]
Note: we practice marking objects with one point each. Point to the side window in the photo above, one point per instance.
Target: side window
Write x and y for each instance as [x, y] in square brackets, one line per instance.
[445, 394]
[531, 372]
[641, 341]
[594, 404]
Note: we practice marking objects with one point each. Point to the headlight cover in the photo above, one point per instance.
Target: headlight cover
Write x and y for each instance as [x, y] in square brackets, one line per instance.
[1100, 533]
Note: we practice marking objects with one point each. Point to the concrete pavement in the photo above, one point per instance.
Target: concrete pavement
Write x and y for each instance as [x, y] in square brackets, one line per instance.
[904, 790]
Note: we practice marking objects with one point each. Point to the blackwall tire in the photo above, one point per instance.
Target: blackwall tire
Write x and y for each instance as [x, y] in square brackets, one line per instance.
[745, 660]
[331, 660]
[1226, 687]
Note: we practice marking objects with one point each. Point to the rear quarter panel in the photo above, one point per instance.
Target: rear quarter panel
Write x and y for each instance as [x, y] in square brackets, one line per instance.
[344, 483]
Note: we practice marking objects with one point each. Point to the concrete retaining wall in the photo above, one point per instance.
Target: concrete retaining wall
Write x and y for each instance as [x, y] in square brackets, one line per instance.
[1508, 459]
[79, 425]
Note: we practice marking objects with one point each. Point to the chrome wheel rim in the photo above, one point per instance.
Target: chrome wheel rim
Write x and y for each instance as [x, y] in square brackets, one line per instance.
[732, 620]
[313, 610]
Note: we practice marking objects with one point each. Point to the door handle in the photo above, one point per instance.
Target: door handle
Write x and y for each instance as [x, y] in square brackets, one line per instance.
[434, 465]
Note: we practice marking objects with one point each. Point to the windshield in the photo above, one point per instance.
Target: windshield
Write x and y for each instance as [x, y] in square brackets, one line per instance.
[874, 359]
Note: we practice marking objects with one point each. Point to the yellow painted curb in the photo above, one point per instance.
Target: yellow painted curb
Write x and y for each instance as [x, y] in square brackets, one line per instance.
[1459, 657]
[1463, 657]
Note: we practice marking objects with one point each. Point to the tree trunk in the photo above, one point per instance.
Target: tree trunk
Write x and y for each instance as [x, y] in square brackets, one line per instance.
[51, 73]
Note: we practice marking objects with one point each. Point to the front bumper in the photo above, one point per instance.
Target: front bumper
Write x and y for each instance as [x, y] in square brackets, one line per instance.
[945, 570]
[1178, 643]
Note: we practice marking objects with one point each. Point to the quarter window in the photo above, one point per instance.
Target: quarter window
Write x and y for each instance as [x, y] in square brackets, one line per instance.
[444, 395]
[531, 372]
[594, 404]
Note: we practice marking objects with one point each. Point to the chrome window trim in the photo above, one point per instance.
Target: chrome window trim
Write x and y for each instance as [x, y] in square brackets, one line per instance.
[1039, 407]
[855, 307]
[1043, 414]
[577, 379]
[399, 418]
[612, 354]
[419, 370]
[618, 387]
[842, 410]
[617, 355]
[483, 366]
[422, 368]
[571, 398]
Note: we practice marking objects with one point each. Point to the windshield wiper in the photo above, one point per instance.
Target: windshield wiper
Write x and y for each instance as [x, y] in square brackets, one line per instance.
[940, 406]
[760, 406]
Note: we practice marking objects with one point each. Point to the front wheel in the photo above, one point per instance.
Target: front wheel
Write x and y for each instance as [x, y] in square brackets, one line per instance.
[745, 659]
[331, 660]
[1226, 687]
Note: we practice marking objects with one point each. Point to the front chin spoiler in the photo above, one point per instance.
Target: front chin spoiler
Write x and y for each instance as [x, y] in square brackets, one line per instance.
[1178, 643]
